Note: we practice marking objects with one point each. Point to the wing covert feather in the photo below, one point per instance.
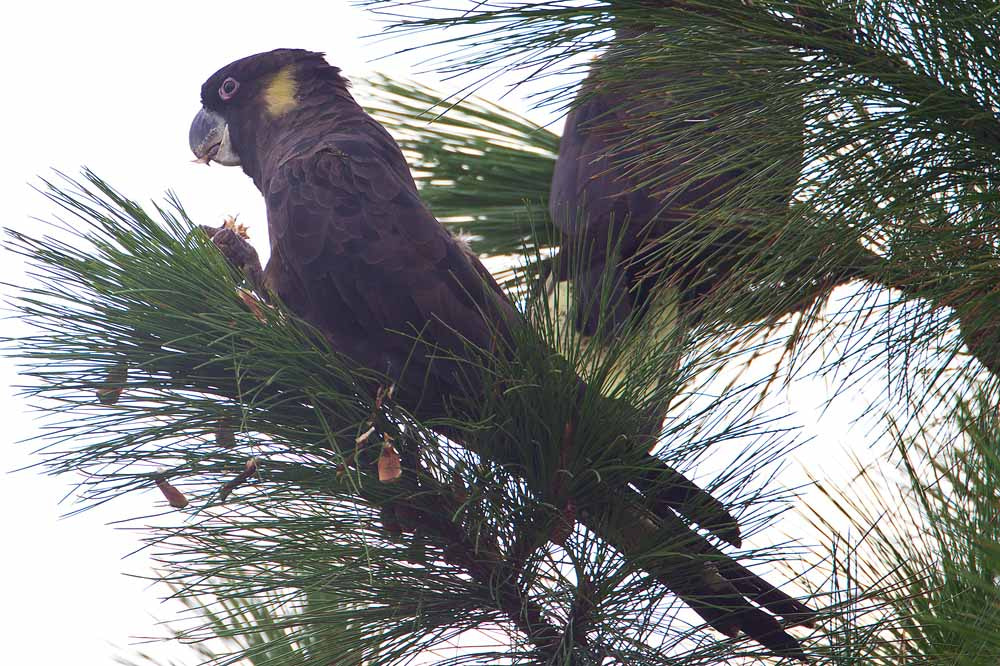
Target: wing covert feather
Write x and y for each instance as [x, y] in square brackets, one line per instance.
[371, 260]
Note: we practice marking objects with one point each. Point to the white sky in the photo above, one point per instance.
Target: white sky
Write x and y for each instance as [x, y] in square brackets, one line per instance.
[113, 86]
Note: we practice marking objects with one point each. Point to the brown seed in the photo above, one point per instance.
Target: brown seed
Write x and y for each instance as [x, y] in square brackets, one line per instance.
[390, 469]
[175, 498]
[248, 470]
[253, 303]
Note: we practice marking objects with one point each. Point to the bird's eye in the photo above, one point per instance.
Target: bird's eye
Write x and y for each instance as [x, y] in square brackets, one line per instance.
[228, 88]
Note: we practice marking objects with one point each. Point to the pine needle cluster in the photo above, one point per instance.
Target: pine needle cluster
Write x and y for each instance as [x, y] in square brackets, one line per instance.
[156, 371]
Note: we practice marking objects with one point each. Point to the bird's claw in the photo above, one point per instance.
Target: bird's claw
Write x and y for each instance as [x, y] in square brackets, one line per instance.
[231, 241]
[233, 246]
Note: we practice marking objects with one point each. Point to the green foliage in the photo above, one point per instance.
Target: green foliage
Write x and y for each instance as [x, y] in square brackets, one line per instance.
[262, 631]
[314, 560]
[893, 101]
[909, 558]
[920, 539]
[466, 540]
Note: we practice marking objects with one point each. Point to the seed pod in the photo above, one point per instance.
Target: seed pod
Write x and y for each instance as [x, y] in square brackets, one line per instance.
[175, 498]
[249, 470]
[114, 383]
[240, 228]
[390, 469]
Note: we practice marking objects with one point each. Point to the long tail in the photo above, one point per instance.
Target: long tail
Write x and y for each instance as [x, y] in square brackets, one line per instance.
[728, 596]
[639, 514]
[667, 490]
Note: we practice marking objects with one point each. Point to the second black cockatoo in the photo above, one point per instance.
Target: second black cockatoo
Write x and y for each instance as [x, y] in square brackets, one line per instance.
[665, 190]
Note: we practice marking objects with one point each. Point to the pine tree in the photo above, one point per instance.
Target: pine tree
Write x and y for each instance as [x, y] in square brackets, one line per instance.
[220, 400]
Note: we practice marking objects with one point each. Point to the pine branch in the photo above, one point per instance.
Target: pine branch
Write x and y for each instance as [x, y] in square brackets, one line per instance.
[429, 508]
[921, 536]
[123, 288]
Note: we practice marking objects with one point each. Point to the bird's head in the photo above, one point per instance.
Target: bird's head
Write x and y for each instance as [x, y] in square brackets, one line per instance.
[246, 98]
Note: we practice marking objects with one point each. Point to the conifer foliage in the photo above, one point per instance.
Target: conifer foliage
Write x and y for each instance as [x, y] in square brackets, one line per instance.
[159, 372]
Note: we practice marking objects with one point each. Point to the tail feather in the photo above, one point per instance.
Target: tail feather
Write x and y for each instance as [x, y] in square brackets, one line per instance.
[765, 595]
[667, 489]
[726, 595]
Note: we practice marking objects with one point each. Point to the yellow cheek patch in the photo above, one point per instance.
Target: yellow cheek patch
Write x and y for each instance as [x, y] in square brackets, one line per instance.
[279, 93]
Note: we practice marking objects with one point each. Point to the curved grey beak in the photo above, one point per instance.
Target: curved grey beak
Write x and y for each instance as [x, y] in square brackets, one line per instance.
[209, 139]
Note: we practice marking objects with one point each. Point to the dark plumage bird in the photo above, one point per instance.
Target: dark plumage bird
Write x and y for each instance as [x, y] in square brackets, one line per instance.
[355, 253]
[646, 239]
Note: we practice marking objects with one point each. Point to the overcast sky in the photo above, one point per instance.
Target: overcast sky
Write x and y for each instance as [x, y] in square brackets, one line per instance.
[113, 86]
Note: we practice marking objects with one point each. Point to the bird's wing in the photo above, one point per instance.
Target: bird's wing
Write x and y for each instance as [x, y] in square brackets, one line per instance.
[371, 267]
[602, 211]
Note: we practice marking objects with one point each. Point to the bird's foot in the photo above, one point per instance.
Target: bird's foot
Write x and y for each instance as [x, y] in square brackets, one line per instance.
[234, 247]
[231, 240]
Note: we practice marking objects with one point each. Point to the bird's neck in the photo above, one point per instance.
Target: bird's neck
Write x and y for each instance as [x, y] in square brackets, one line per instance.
[276, 139]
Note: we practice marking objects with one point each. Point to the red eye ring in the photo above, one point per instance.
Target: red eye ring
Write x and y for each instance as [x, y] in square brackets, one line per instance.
[228, 88]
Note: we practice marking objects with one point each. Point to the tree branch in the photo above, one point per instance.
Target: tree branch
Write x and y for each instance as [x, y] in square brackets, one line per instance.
[428, 507]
